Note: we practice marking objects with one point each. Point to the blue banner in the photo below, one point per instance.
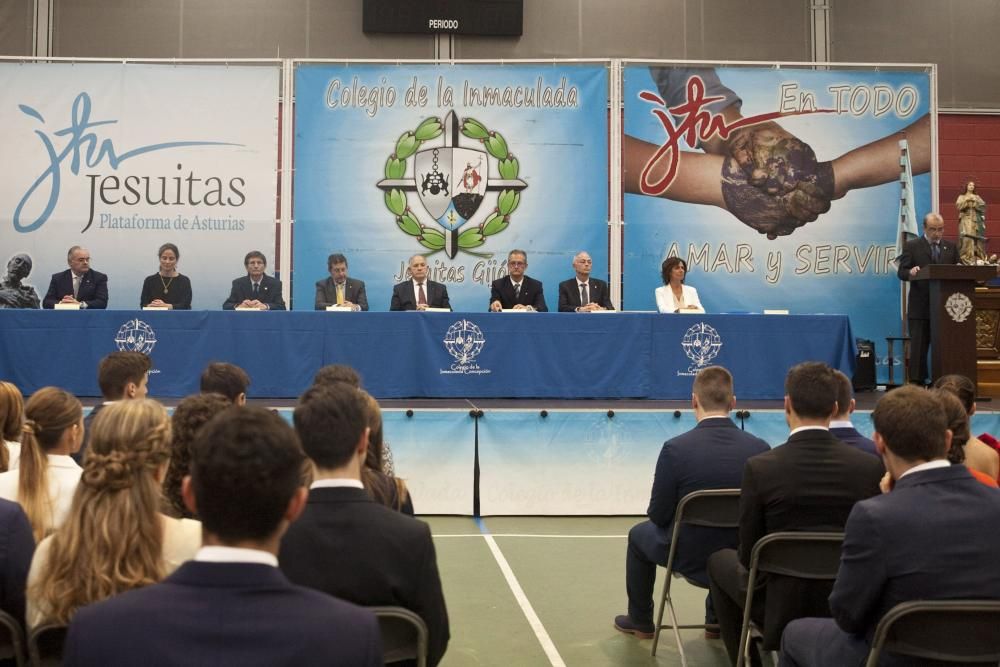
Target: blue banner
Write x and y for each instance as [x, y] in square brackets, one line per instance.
[460, 163]
[778, 187]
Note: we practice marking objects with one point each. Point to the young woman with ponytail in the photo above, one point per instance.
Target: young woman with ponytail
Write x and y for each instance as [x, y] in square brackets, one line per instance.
[115, 539]
[46, 476]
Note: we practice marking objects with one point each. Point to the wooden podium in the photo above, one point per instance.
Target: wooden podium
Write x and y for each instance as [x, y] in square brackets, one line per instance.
[953, 319]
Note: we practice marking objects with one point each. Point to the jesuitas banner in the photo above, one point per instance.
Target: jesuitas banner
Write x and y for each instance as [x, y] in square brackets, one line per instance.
[778, 187]
[122, 158]
[460, 163]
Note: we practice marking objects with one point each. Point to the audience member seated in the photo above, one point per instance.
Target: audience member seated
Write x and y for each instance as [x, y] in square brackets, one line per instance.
[46, 476]
[16, 548]
[811, 482]
[122, 376]
[331, 373]
[958, 424]
[231, 605]
[346, 544]
[227, 379]
[381, 486]
[709, 456]
[927, 540]
[978, 455]
[189, 416]
[115, 538]
[841, 426]
[11, 421]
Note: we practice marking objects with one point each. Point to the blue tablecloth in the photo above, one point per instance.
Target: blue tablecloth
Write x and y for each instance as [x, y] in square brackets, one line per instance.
[446, 355]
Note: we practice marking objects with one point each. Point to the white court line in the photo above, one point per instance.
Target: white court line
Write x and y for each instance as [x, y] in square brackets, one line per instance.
[536, 624]
[575, 537]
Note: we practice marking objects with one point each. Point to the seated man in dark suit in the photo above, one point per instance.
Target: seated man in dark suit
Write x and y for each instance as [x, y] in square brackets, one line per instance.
[78, 284]
[932, 537]
[122, 376]
[347, 545]
[841, 426]
[584, 294]
[256, 289]
[419, 293]
[517, 291]
[231, 605]
[338, 289]
[709, 456]
[811, 482]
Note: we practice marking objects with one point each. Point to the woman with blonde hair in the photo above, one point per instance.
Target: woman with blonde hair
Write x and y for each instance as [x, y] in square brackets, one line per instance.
[11, 422]
[46, 476]
[381, 487]
[115, 538]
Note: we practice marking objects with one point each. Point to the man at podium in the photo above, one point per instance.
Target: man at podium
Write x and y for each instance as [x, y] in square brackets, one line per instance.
[930, 248]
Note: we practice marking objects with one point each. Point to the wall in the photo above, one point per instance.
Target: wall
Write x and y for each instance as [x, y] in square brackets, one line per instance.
[969, 149]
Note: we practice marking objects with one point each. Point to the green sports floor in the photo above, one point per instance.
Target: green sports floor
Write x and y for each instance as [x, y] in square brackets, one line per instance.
[538, 591]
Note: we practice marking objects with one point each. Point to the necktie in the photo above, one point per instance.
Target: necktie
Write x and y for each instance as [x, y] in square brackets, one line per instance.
[421, 296]
[340, 295]
[584, 297]
[936, 253]
[517, 290]
[256, 290]
[76, 285]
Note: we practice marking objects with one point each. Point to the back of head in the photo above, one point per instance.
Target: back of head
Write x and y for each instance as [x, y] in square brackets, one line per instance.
[812, 389]
[845, 394]
[333, 373]
[11, 419]
[958, 423]
[961, 387]
[112, 540]
[47, 415]
[714, 388]
[189, 416]
[117, 370]
[912, 422]
[330, 421]
[227, 379]
[374, 458]
[246, 465]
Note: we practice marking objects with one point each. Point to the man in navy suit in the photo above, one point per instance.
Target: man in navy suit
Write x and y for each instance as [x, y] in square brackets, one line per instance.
[810, 482]
[840, 426]
[78, 284]
[709, 456]
[345, 543]
[930, 248]
[339, 289]
[419, 293]
[517, 291]
[231, 605]
[932, 537]
[256, 289]
[584, 294]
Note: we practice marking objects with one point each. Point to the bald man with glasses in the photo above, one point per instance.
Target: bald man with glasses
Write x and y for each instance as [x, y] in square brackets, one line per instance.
[584, 294]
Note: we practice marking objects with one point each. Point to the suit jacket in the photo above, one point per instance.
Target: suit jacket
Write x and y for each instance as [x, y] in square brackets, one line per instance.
[403, 299]
[933, 537]
[853, 438]
[17, 546]
[348, 546]
[709, 456]
[270, 293]
[354, 291]
[93, 289]
[917, 252]
[223, 614]
[502, 290]
[87, 421]
[809, 483]
[569, 294]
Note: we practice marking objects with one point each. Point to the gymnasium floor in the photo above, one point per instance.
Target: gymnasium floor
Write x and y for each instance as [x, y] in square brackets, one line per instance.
[538, 591]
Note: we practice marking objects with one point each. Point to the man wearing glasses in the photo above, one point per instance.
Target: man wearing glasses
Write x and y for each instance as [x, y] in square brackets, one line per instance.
[517, 291]
[583, 294]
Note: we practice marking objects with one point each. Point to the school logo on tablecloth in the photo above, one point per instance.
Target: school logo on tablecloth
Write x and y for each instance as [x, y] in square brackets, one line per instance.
[451, 181]
[701, 344]
[464, 341]
[135, 336]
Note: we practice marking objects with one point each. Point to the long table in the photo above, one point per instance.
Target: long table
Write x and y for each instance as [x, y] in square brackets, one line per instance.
[439, 355]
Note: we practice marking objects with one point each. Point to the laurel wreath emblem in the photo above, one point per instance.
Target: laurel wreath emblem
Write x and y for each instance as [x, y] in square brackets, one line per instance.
[429, 237]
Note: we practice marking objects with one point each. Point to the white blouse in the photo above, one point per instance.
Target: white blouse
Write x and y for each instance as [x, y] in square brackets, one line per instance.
[667, 303]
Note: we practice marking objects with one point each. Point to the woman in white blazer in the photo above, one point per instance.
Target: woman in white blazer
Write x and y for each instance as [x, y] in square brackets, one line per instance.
[675, 296]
